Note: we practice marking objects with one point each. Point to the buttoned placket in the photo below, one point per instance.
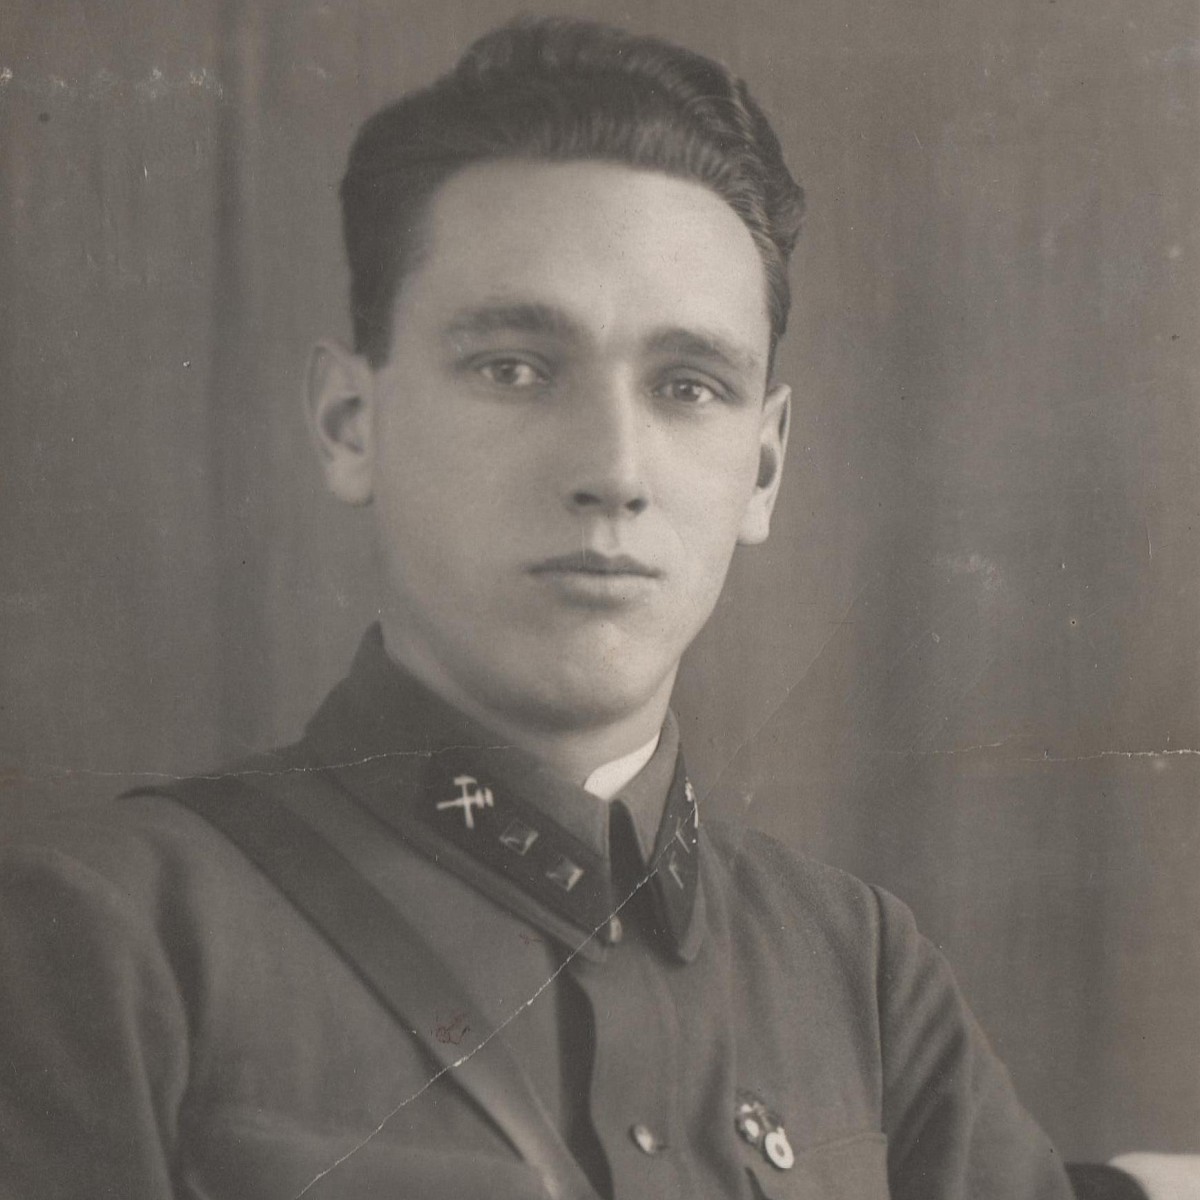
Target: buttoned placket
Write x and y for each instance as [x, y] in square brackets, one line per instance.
[636, 1069]
[635, 1075]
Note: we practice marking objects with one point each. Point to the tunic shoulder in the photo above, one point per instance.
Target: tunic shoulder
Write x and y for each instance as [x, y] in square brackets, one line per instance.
[806, 895]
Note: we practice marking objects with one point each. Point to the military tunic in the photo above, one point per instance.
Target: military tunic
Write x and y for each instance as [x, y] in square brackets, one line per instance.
[170, 1026]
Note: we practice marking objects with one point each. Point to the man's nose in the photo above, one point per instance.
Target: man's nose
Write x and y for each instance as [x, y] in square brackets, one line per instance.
[607, 474]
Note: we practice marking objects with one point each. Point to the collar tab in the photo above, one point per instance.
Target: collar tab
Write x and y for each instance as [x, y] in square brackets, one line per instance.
[481, 810]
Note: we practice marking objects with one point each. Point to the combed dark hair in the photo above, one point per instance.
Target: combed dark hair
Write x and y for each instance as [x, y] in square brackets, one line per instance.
[557, 90]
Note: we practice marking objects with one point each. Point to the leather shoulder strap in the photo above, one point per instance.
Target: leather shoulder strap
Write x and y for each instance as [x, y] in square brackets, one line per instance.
[391, 957]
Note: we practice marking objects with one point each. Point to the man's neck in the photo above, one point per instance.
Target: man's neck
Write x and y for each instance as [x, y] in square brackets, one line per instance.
[573, 752]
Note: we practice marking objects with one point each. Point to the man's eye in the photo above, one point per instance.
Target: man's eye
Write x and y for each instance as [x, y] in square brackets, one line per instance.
[511, 373]
[688, 391]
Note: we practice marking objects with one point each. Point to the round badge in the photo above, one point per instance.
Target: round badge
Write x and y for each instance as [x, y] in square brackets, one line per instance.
[779, 1150]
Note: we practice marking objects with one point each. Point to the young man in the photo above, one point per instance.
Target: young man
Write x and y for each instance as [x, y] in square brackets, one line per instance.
[470, 936]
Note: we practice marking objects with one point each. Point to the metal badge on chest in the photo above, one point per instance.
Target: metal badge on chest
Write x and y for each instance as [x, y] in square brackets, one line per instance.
[761, 1128]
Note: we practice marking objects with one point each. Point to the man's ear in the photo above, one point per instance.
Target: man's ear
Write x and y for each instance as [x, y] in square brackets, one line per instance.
[772, 445]
[341, 408]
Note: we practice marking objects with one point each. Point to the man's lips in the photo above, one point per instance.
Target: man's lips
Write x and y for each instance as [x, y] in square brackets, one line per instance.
[588, 562]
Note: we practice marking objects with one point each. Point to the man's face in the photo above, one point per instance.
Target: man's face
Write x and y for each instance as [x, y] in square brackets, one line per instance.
[570, 436]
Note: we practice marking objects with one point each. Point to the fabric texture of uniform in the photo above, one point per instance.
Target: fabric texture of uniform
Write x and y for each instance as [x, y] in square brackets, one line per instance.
[171, 1027]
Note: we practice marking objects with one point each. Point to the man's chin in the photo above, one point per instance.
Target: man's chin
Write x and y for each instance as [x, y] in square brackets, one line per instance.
[591, 694]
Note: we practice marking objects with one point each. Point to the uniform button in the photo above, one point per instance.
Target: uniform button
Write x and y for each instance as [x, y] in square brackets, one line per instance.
[645, 1139]
[614, 931]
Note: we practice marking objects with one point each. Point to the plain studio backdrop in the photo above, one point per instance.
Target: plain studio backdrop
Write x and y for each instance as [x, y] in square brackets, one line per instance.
[965, 666]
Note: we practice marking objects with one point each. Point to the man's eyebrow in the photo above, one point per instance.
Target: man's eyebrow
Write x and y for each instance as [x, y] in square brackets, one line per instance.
[706, 344]
[546, 320]
[485, 319]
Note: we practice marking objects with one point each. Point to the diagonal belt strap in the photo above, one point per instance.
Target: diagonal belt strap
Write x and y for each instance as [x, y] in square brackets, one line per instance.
[392, 958]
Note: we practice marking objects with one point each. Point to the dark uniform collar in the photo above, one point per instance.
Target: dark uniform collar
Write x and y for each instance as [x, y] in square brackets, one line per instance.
[644, 796]
[503, 820]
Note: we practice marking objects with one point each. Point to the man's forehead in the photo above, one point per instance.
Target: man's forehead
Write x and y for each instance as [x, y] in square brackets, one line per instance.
[619, 199]
[555, 248]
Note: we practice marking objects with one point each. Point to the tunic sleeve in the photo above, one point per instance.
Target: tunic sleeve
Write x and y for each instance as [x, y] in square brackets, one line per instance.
[955, 1127]
[93, 1037]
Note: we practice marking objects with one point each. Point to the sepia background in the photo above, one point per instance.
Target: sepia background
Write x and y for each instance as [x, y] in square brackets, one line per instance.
[966, 665]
